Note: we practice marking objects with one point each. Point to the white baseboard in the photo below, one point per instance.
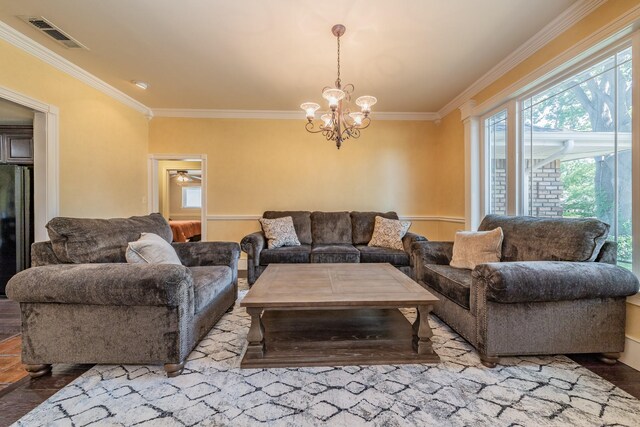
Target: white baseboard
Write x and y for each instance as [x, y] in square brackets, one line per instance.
[631, 355]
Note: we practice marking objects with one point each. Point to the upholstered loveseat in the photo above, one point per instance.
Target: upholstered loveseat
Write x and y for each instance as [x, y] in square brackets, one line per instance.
[556, 291]
[82, 303]
[327, 237]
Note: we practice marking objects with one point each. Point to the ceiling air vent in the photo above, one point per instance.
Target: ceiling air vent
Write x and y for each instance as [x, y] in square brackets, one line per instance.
[52, 31]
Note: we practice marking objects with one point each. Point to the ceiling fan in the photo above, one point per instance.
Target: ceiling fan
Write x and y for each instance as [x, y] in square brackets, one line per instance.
[184, 177]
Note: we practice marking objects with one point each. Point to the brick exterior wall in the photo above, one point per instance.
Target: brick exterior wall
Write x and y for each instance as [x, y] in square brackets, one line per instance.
[546, 190]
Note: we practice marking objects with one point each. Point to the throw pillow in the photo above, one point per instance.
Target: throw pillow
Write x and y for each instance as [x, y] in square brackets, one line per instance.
[473, 248]
[279, 232]
[151, 249]
[388, 233]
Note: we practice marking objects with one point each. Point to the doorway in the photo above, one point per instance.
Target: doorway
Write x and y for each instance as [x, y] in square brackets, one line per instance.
[178, 191]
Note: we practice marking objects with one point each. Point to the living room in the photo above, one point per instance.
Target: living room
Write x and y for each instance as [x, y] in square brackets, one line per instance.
[447, 142]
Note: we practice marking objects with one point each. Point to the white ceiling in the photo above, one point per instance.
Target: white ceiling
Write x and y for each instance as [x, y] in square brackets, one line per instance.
[413, 55]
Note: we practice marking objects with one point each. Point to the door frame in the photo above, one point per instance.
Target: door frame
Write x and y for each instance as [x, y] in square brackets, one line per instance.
[154, 184]
[46, 177]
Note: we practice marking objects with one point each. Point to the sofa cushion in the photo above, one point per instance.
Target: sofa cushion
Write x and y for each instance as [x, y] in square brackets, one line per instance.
[548, 239]
[208, 283]
[375, 254]
[279, 232]
[335, 254]
[285, 255]
[85, 240]
[388, 233]
[301, 222]
[331, 228]
[454, 283]
[362, 224]
[151, 249]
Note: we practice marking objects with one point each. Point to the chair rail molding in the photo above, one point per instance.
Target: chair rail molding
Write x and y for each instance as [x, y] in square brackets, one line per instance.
[453, 219]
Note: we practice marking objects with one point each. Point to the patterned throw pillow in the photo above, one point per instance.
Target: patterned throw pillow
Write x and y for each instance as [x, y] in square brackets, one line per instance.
[279, 232]
[388, 233]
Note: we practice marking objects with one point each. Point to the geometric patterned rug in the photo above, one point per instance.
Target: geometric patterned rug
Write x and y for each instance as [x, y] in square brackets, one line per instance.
[214, 391]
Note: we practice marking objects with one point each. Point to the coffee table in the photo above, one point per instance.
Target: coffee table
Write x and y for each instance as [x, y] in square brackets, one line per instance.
[335, 315]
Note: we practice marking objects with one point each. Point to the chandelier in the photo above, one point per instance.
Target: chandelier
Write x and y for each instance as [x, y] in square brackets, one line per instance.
[341, 121]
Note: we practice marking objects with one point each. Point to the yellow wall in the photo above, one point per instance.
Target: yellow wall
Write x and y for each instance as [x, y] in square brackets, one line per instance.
[103, 143]
[258, 165]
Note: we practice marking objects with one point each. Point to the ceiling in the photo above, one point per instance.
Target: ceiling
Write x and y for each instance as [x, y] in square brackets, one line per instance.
[413, 55]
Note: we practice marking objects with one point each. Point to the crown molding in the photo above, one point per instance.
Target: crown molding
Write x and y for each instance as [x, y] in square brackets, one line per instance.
[562, 22]
[19, 40]
[275, 114]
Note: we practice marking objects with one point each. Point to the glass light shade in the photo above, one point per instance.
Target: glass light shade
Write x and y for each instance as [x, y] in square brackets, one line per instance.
[310, 108]
[327, 119]
[357, 118]
[182, 177]
[366, 102]
[334, 96]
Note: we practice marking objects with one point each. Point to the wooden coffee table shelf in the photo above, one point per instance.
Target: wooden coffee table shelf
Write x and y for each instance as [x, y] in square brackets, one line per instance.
[336, 314]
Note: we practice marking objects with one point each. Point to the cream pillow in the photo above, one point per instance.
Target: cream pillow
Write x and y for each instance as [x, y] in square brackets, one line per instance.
[279, 232]
[471, 248]
[388, 233]
[151, 249]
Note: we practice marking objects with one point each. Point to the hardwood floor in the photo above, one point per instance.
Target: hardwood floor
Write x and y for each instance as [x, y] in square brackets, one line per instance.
[19, 397]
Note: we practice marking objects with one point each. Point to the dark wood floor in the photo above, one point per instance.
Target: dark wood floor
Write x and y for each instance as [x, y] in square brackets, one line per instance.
[22, 396]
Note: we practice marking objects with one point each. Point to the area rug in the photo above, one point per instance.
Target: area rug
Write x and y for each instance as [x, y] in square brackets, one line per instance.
[213, 391]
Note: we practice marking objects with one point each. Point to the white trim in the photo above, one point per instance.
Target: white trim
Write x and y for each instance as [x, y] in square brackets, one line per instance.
[16, 38]
[631, 354]
[611, 32]
[562, 22]
[154, 186]
[635, 155]
[402, 217]
[46, 156]
[277, 115]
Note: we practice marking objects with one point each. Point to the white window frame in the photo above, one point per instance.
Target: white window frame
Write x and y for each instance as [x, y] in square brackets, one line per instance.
[185, 190]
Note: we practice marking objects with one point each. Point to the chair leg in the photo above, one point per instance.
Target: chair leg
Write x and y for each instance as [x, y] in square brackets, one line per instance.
[489, 361]
[36, 371]
[173, 369]
[609, 358]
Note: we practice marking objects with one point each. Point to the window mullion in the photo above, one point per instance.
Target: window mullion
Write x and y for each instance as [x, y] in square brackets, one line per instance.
[512, 159]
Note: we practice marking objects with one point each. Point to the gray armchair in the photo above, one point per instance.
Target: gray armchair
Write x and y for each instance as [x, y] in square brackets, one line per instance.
[96, 308]
[556, 291]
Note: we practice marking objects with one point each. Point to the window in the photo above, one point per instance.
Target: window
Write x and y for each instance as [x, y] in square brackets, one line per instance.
[576, 145]
[495, 137]
[563, 150]
[192, 197]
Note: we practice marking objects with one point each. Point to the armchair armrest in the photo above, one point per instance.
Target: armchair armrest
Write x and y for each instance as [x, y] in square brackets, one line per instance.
[103, 284]
[253, 245]
[540, 281]
[409, 239]
[194, 254]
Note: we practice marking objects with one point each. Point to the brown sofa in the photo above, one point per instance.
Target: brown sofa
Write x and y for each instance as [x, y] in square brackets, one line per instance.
[327, 237]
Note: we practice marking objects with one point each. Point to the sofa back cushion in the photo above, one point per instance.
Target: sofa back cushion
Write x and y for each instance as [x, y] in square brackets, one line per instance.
[86, 240]
[331, 228]
[548, 239]
[362, 224]
[301, 222]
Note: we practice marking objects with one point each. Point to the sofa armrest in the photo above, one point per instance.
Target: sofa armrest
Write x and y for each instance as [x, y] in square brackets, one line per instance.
[432, 252]
[253, 245]
[542, 281]
[409, 239]
[194, 254]
[103, 284]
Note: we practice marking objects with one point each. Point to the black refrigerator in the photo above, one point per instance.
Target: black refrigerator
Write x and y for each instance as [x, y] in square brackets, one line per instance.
[16, 221]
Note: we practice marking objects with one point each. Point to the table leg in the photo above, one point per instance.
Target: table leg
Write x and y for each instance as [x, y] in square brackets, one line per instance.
[422, 331]
[255, 337]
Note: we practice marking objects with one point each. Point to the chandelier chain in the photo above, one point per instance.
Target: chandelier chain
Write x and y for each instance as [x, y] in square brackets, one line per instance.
[338, 81]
